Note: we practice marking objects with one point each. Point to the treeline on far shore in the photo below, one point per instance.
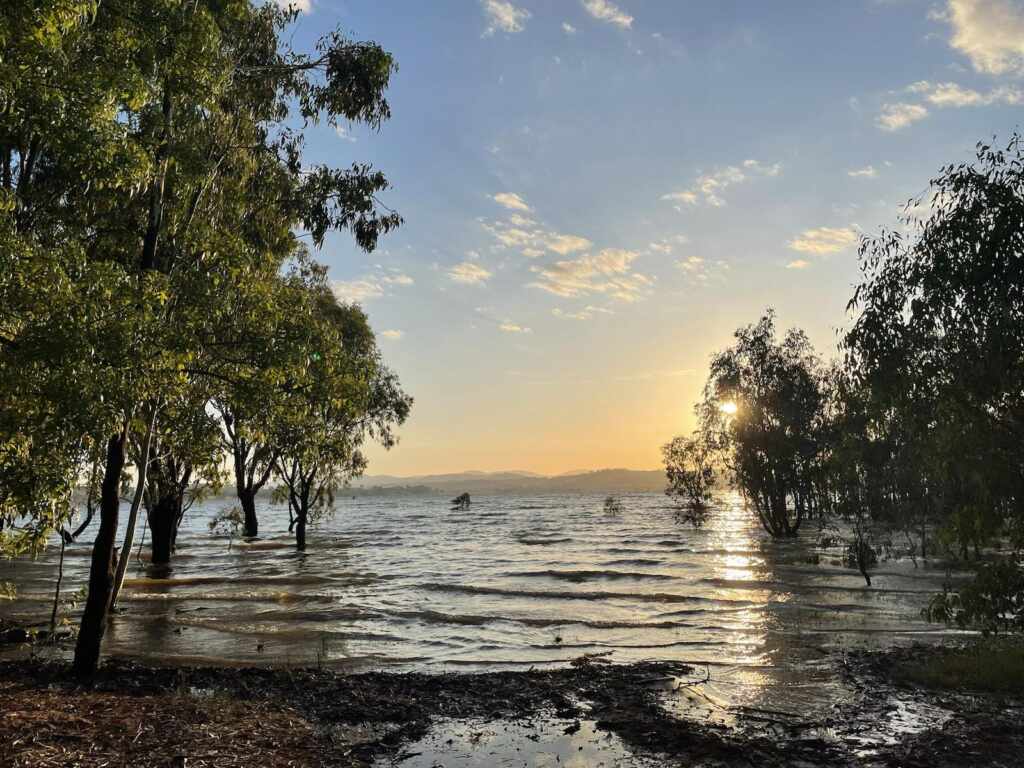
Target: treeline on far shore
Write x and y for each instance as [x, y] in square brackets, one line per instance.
[912, 435]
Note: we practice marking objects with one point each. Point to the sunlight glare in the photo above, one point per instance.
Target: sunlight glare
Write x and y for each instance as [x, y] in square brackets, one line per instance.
[728, 408]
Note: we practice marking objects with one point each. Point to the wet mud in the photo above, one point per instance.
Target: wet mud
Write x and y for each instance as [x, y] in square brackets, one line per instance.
[589, 713]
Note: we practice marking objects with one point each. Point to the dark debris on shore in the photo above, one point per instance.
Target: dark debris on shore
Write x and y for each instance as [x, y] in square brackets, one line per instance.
[134, 715]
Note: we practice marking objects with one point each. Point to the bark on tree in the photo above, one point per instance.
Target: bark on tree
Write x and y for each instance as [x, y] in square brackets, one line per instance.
[133, 514]
[104, 561]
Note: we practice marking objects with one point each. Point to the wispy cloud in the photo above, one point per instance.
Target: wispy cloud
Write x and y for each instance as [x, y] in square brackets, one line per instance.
[503, 16]
[568, 28]
[469, 273]
[943, 96]
[954, 95]
[823, 240]
[895, 117]
[512, 201]
[667, 245]
[603, 10]
[533, 240]
[608, 272]
[509, 327]
[798, 264]
[393, 335]
[709, 187]
[700, 272]
[343, 133]
[867, 172]
[990, 33]
[371, 286]
[581, 314]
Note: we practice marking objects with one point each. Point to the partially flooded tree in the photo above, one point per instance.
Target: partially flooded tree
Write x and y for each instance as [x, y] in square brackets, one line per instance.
[762, 411]
[152, 186]
[346, 396]
[690, 469]
[938, 342]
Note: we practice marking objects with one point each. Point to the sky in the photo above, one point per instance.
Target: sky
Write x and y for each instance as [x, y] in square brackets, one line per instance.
[596, 194]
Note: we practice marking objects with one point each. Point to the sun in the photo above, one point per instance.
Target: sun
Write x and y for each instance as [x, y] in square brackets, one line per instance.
[728, 408]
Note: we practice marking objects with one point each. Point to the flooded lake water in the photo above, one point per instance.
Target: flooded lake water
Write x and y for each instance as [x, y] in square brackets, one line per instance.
[514, 582]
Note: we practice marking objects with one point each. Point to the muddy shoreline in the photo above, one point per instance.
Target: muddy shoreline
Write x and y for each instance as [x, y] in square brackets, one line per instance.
[150, 716]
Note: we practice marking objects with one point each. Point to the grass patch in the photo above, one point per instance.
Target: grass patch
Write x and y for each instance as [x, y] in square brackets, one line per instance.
[991, 665]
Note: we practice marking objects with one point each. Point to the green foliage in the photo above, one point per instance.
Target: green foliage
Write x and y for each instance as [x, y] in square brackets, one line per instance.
[992, 602]
[939, 345]
[689, 467]
[763, 411]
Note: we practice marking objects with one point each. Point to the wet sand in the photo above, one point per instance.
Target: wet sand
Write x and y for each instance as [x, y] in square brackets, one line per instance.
[586, 714]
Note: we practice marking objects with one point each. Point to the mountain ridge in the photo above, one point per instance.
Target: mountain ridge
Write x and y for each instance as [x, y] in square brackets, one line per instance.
[594, 481]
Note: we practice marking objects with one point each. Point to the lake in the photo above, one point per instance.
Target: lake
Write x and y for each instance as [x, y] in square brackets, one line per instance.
[514, 582]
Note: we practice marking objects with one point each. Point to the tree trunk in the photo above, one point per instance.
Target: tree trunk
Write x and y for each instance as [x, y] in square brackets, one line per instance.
[251, 527]
[133, 514]
[104, 562]
[163, 523]
[300, 530]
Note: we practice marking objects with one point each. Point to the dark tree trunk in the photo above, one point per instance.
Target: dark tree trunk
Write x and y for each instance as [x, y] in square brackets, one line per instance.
[300, 530]
[163, 526]
[104, 563]
[251, 526]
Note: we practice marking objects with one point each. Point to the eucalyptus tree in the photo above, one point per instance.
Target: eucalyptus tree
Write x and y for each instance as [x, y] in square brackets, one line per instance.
[186, 465]
[938, 338]
[152, 176]
[346, 395]
[690, 469]
[762, 411]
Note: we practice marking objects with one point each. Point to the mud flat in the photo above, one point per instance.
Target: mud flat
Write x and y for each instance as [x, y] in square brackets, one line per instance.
[589, 714]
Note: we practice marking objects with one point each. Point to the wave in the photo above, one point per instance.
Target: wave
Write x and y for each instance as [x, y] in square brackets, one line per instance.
[642, 597]
[541, 541]
[584, 575]
[437, 617]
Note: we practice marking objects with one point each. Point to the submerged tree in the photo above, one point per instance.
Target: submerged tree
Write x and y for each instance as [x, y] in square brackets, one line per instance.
[762, 411]
[152, 189]
[345, 396]
[690, 469]
[939, 343]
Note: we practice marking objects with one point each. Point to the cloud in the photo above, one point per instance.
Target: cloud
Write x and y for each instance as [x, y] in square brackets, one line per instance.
[943, 96]
[895, 117]
[709, 187]
[990, 33]
[823, 240]
[953, 95]
[369, 287]
[533, 240]
[666, 245]
[343, 133]
[512, 201]
[509, 327]
[867, 172]
[608, 273]
[583, 314]
[700, 272]
[306, 6]
[603, 10]
[798, 264]
[502, 15]
[393, 335]
[563, 245]
[568, 28]
[469, 273]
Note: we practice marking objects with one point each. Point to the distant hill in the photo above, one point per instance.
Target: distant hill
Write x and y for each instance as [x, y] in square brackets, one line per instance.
[599, 481]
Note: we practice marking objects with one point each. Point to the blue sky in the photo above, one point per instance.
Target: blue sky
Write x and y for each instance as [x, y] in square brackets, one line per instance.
[597, 194]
